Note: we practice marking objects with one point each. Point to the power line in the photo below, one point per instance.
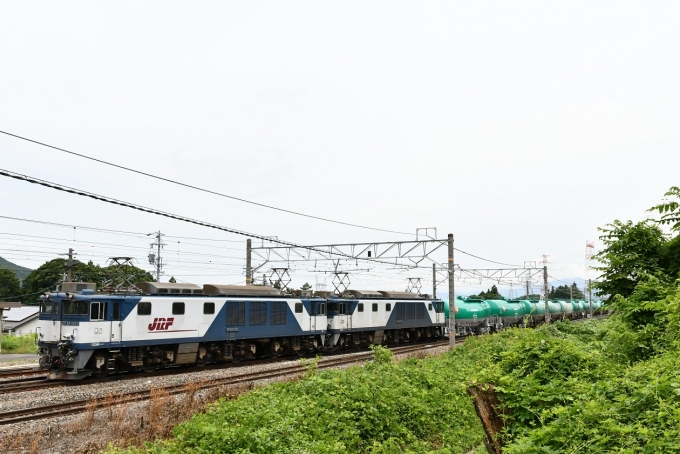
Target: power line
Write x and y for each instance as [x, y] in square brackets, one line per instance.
[94, 229]
[143, 235]
[208, 191]
[113, 201]
[486, 260]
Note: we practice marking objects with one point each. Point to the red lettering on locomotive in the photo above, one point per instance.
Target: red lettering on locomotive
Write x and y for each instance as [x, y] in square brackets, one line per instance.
[161, 324]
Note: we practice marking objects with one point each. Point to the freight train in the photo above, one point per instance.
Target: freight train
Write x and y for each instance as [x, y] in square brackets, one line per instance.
[475, 315]
[82, 332]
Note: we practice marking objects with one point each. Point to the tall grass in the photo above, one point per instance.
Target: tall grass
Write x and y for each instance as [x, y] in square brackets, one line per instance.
[19, 344]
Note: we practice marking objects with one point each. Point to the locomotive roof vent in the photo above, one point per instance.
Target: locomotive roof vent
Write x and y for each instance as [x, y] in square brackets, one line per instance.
[366, 293]
[78, 287]
[240, 290]
[401, 295]
[168, 288]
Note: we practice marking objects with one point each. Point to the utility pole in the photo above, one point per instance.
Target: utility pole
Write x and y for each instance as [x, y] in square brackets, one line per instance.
[249, 269]
[590, 297]
[434, 280]
[69, 265]
[528, 289]
[155, 259]
[452, 296]
[68, 276]
[547, 292]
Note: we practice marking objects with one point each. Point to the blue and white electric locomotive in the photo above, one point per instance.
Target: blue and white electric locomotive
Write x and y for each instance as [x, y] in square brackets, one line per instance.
[82, 332]
[366, 317]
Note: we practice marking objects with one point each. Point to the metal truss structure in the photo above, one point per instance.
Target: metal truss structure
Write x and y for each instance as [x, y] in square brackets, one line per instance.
[506, 276]
[121, 280]
[341, 282]
[414, 283]
[402, 254]
[280, 276]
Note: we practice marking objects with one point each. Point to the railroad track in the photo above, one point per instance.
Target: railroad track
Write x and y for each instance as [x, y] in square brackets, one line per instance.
[69, 408]
[20, 372]
[26, 384]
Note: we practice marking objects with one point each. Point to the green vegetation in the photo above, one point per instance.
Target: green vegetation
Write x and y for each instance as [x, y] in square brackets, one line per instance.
[19, 344]
[10, 285]
[50, 274]
[19, 271]
[566, 292]
[491, 294]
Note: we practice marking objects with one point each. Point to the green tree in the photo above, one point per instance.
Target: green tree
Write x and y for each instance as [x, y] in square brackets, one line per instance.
[491, 294]
[172, 280]
[669, 209]
[631, 251]
[10, 286]
[566, 292]
[48, 275]
[306, 286]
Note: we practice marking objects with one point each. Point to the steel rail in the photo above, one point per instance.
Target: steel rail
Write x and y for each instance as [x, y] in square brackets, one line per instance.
[69, 408]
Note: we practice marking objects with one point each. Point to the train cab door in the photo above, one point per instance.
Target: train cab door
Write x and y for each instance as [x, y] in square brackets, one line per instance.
[50, 317]
[116, 324]
[313, 311]
[99, 327]
[343, 318]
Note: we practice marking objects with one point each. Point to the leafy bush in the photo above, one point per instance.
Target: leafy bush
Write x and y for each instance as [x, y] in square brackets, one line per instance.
[415, 405]
[19, 344]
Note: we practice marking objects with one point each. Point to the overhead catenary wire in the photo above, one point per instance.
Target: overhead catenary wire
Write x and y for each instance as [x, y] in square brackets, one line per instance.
[207, 191]
[113, 201]
[143, 235]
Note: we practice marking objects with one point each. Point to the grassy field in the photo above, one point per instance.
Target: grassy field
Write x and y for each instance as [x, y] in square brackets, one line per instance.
[19, 344]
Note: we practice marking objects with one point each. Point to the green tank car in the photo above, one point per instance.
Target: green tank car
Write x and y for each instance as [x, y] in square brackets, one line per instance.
[534, 312]
[472, 316]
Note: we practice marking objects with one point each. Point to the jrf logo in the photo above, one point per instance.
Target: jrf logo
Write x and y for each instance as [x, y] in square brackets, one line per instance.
[161, 324]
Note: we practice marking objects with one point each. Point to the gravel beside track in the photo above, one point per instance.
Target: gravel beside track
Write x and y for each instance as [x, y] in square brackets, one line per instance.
[101, 390]
[89, 432]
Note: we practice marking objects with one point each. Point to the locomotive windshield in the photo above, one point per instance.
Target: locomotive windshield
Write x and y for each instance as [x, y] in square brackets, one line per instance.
[46, 307]
[75, 307]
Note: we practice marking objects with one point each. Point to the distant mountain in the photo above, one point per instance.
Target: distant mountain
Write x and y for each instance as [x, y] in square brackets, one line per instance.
[19, 271]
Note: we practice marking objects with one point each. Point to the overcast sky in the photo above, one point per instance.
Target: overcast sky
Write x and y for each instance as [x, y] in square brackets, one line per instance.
[520, 127]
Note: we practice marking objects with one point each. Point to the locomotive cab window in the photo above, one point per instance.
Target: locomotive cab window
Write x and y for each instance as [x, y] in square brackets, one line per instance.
[144, 308]
[332, 307]
[429, 307]
[374, 308]
[115, 314]
[322, 309]
[74, 307]
[388, 307]
[46, 307]
[341, 309]
[97, 311]
[208, 308]
[177, 308]
[298, 308]
[360, 307]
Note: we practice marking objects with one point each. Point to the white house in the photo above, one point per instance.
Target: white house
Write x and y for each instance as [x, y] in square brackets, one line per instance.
[20, 320]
